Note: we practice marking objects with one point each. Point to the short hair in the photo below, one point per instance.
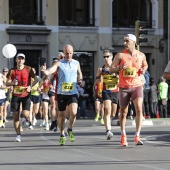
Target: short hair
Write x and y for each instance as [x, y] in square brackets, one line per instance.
[107, 51]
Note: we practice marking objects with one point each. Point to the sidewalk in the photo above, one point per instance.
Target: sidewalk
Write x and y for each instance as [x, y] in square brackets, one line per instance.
[146, 122]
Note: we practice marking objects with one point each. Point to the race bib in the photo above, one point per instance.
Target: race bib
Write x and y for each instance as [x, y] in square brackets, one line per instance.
[67, 87]
[19, 89]
[111, 86]
[110, 79]
[129, 72]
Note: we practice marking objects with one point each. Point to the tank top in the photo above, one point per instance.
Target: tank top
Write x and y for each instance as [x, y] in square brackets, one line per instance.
[130, 77]
[24, 79]
[110, 81]
[67, 77]
[46, 86]
[34, 91]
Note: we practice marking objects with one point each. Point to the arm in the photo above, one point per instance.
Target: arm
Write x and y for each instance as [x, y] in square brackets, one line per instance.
[51, 70]
[116, 67]
[166, 73]
[4, 82]
[79, 74]
[144, 65]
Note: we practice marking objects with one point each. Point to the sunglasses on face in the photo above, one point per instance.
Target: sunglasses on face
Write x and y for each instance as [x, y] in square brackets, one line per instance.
[106, 56]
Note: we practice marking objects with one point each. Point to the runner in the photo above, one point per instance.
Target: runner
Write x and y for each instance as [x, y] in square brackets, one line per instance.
[51, 95]
[35, 101]
[110, 91]
[2, 98]
[131, 65]
[68, 72]
[99, 106]
[8, 91]
[20, 78]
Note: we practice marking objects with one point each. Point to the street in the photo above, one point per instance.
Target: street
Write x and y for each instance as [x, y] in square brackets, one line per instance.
[39, 149]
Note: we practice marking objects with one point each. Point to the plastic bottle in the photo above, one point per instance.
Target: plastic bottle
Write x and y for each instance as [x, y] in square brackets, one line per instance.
[16, 80]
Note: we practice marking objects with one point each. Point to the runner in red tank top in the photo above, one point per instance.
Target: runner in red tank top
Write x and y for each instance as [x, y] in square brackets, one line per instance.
[20, 78]
[131, 65]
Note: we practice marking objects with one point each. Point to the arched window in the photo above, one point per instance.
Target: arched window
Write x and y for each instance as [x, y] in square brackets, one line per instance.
[126, 12]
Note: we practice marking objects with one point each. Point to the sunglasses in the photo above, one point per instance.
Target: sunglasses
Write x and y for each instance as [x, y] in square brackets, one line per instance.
[106, 56]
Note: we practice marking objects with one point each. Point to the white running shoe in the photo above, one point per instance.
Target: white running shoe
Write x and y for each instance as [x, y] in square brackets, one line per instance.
[30, 127]
[18, 138]
[34, 121]
[47, 127]
[109, 135]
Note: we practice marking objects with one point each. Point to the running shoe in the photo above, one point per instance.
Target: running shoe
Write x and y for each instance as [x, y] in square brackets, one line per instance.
[70, 136]
[34, 121]
[30, 127]
[47, 127]
[97, 117]
[109, 135]
[53, 127]
[18, 138]
[44, 124]
[102, 121]
[62, 141]
[123, 141]
[137, 140]
[3, 125]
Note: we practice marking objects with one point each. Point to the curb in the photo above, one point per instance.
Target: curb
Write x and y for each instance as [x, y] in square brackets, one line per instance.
[146, 122]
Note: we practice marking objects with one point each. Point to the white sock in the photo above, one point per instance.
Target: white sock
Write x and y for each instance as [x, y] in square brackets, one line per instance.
[123, 132]
[137, 134]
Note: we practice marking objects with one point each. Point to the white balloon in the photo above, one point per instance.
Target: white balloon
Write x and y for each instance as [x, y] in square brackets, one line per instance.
[9, 51]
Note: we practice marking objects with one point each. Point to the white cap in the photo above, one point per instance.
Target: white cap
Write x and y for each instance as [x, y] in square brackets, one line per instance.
[130, 37]
[20, 55]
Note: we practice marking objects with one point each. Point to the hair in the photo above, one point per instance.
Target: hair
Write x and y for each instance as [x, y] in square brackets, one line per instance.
[107, 51]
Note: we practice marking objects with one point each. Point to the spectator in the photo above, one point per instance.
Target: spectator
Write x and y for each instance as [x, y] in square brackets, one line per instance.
[162, 97]
[82, 100]
[89, 90]
[153, 98]
[146, 93]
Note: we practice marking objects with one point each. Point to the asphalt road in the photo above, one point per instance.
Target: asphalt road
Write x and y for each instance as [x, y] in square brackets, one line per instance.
[40, 150]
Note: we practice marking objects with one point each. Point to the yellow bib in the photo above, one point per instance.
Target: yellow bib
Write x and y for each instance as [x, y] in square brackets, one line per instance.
[67, 87]
[19, 89]
[129, 72]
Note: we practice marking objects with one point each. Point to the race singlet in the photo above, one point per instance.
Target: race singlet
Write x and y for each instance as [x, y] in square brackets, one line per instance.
[67, 87]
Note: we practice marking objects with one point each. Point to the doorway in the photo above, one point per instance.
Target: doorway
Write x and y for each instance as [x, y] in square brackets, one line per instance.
[32, 59]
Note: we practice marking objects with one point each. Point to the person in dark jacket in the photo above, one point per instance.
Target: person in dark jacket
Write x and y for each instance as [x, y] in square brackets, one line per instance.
[146, 92]
[82, 100]
[153, 98]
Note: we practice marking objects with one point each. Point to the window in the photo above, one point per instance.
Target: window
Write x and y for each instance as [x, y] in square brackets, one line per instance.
[26, 12]
[76, 12]
[126, 12]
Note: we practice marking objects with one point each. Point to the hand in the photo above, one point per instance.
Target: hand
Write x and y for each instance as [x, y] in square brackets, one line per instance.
[28, 89]
[15, 83]
[43, 67]
[123, 66]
